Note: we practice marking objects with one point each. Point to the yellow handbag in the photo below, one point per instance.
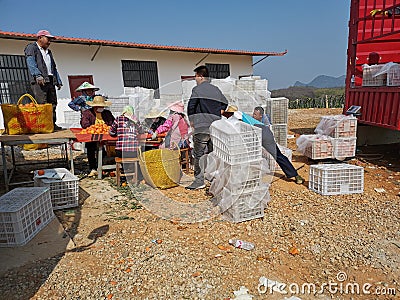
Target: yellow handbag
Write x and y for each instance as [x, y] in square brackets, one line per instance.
[28, 118]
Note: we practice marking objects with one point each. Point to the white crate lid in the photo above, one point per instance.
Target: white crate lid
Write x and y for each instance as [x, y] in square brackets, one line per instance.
[17, 198]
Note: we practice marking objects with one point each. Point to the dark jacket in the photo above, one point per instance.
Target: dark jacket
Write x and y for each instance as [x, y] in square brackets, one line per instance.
[37, 66]
[89, 117]
[205, 105]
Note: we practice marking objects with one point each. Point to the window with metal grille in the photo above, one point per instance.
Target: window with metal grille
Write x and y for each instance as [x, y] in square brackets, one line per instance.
[140, 73]
[218, 71]
[14, 78]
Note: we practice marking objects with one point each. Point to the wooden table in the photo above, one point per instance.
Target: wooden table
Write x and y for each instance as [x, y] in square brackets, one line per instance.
[58, 137]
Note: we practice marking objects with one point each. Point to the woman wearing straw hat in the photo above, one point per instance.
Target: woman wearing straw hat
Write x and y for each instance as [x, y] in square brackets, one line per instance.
[95, 115]
[153, 119]
[79, 103]
[177, 127]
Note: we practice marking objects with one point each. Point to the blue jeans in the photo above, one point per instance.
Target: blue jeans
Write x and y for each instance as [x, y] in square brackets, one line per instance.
[202, 145]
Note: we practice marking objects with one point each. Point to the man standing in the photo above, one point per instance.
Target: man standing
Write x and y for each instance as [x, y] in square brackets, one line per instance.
[206, 105]
[42, 68]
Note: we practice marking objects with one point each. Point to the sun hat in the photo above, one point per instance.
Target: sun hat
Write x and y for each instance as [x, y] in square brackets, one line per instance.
[86, 86]
[154, 113]
[177, 106]
[129, 112]
[45, 32]
[99, 101]
[232, 108]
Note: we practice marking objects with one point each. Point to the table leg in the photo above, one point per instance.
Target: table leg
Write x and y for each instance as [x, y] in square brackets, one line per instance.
[99, 160]
[71, 159]
[3, 154]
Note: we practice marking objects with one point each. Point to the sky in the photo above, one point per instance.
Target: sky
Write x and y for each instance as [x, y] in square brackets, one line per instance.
[314, 32]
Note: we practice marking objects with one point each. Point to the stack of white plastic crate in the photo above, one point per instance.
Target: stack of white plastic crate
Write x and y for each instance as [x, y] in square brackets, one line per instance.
[249, 93]
[238, 146]
[23, 213]
[335, 138]
[273, 165]
[117, 105]
[336, 179]
[277, 110]
[63, 185]
[72, 119]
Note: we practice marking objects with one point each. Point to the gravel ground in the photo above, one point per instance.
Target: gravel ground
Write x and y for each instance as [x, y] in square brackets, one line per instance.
[123, 252]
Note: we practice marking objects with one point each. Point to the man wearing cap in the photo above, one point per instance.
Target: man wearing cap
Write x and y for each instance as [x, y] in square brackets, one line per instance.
[79, 103]
[43, 70]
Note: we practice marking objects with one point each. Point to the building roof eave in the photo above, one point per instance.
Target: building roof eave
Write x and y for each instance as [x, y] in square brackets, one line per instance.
[85, 41]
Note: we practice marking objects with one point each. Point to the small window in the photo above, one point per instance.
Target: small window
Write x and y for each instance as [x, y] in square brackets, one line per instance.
[14, 78]
[218, 71]
[140, 73]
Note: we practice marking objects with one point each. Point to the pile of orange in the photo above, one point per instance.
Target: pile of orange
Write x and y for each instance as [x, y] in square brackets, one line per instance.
[96, 129]
[30, 104]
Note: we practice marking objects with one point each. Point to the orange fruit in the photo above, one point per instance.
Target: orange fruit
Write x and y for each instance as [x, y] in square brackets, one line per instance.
[123, 184]
[40, 172]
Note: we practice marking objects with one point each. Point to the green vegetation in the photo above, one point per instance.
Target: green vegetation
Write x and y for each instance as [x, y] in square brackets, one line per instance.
[308, 97]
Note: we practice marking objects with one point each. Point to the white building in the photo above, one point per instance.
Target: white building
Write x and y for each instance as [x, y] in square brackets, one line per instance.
[113, 66]
[105, 61]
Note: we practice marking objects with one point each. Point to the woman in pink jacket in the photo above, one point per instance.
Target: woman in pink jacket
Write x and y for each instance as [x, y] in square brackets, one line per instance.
[177, 127]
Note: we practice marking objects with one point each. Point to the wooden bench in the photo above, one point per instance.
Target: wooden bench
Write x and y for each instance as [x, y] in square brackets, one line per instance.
[185, 160]
[118, 168]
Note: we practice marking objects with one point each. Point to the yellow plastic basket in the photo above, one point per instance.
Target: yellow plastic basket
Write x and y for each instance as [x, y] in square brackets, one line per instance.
[161, 167]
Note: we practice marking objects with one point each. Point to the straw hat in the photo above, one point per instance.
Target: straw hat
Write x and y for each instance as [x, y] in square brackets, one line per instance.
[177, 106]
[86, 86]
[232, 108]
[99, 101]
[154, 113]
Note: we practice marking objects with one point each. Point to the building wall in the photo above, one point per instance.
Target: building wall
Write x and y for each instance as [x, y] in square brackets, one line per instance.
[75, 59]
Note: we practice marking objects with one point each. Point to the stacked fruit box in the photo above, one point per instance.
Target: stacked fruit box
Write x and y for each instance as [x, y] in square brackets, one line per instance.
[336, 179]
[277, 110]
[335, 138]
[63, 185]
[237, 145]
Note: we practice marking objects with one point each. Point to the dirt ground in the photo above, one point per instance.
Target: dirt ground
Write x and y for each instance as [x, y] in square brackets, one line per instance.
[124, 243]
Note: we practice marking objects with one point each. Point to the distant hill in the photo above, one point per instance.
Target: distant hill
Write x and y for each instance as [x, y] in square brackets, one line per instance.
[302, 92]
[324, 81]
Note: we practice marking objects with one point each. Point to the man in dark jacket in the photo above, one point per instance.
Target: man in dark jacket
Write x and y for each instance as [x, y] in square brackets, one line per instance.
[206, 105]
[43, 71]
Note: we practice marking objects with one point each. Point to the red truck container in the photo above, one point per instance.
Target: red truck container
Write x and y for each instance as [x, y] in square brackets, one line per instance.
[374, 26]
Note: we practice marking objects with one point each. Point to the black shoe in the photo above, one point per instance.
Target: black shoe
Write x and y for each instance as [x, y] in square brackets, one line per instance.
[57, 128]
[196, 185]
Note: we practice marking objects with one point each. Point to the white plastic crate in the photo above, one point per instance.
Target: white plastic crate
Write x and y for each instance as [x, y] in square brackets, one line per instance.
[64, 192]
[72, 117]
[393, 76]
[23, 213]
[280, 134]
[337, 126]
[344, 147]
[368, 76]
[118, 104]
[319, 147]
[277, 110]
[336, 179]
[245, 85]
[247, 205]
[240, 177]
[272, 162]
[237, 143]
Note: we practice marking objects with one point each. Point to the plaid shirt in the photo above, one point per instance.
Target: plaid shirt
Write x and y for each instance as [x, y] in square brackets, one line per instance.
[127, 132]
